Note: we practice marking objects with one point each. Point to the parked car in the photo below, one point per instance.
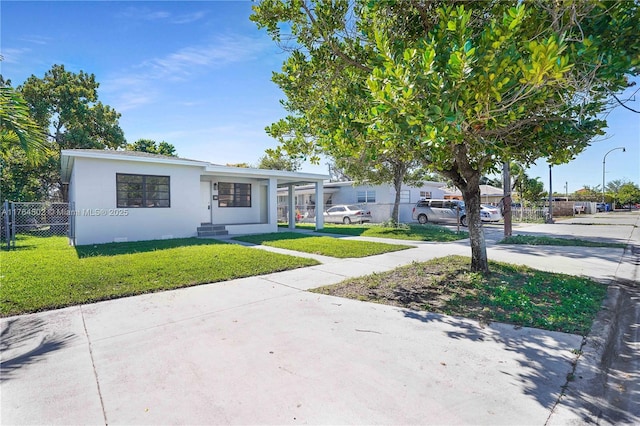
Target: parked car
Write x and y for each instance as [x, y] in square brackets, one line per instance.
[346, 214]
[440, 211]
[600, 207]
[489, 213]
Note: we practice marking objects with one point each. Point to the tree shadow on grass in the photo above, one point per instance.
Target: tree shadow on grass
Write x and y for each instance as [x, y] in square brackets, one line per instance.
[17, 348]
[115, 249]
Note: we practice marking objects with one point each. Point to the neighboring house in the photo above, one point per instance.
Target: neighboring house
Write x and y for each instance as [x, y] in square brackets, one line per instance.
[488, 194]
[378, 199]
[131, 196]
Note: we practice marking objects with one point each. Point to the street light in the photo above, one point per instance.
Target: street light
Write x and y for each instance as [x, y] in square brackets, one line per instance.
[603, 163]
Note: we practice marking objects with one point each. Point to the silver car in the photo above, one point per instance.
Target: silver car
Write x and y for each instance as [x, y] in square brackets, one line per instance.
[346, 214]
[440, 211]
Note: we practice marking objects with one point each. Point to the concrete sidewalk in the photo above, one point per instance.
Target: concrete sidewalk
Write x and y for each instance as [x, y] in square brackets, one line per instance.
[262, 350]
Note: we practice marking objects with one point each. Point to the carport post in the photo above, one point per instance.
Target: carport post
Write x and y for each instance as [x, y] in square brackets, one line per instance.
[319, 205]
[292, 207]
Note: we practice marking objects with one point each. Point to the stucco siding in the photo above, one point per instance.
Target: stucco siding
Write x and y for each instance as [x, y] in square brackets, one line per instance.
[257, 213]
[99, 220]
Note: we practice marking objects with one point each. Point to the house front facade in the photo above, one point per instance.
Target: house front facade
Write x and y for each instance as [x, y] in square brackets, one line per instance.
[118, 196]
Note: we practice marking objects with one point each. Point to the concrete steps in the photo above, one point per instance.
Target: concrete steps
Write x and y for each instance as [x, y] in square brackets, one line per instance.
[209, 230]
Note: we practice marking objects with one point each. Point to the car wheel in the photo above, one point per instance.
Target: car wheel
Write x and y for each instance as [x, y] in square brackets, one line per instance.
[422, 219]
[346, 221]
[463, 221]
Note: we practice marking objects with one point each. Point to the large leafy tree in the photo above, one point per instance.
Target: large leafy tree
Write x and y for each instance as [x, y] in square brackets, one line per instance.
[629, 193]
[275, 159]
[460, 86]
[152, 147]
[66, 106]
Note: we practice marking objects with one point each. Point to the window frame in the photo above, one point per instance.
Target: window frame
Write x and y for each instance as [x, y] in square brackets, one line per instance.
[145, 191]
[236, 195]
[366, 196]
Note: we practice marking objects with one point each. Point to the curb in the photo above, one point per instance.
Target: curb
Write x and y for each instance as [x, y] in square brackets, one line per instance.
[583, 400]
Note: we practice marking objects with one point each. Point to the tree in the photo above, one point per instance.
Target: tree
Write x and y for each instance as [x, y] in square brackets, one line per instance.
[387, 169]
[152, 147]
[589, 193]
[460, 86]
[486, 180]
[17, 127]
[613, 188]
[275, 159]
[629, 193]
[532, 190]
[66, 105]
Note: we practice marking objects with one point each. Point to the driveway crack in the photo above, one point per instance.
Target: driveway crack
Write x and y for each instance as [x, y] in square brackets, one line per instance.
[93, 365]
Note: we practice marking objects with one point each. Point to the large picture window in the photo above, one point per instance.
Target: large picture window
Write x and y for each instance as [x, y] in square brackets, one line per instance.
[142, 190]
[234, 194]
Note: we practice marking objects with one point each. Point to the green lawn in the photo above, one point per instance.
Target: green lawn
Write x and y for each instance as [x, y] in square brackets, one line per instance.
[326, 246]
[533, 240]
[513, 294]
[46, 273]
[412, 232]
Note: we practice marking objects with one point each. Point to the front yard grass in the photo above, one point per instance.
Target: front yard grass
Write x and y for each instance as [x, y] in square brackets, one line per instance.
[326, 246]
[513, 294]
[412, 232]
[534, 240]
[47, 273]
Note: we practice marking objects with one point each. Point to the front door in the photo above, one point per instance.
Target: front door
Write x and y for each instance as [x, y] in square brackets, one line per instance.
[205, 202]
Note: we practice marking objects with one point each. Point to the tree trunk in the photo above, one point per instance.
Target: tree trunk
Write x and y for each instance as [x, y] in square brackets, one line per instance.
[399, 172]
[395, 213]
[479, 260]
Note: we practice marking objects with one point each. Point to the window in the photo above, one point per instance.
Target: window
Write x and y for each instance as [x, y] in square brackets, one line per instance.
[425, 194]
[405, 196]
[142, 190]
[366, 196]
[436, 204]
[234, 194]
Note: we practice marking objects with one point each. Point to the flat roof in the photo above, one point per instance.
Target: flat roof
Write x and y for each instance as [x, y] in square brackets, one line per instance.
[284, 177]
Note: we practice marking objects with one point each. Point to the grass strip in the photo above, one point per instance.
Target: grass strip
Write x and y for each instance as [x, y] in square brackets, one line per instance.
[426, 232]
[512, 294]
[47, 273]
[534, 240]
[326, 246]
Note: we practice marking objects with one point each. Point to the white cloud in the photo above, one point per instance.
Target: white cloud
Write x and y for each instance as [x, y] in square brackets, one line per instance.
[143, 84]
[188, 18]
[193, 59]
[146, 14]
[13, 56]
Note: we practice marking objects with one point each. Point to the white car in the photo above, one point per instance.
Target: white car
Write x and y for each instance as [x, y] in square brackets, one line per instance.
[346, 214]
[489, 213]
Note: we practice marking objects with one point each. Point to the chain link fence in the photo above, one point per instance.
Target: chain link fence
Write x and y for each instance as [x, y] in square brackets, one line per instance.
[43, 219]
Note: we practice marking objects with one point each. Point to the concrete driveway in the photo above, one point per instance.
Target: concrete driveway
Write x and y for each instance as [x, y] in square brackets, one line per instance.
[263, 350]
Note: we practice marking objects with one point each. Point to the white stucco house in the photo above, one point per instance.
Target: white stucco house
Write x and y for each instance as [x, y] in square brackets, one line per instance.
[117, 196]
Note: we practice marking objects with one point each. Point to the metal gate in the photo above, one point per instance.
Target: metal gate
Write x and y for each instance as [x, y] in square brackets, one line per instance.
[42, 219]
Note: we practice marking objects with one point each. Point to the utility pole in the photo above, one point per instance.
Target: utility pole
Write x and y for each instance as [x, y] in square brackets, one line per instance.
[550, 219]
[506, 199]
[566, 190]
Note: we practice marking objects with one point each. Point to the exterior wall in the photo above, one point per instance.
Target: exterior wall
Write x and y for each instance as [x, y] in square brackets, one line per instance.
[93, 189]
[255, 214]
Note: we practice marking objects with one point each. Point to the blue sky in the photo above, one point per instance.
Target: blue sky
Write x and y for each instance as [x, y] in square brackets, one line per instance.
[198, 75]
